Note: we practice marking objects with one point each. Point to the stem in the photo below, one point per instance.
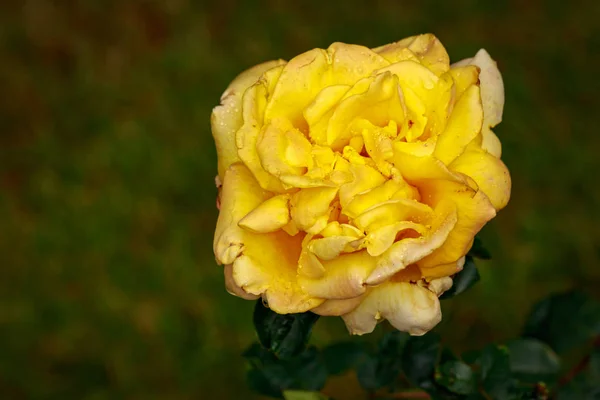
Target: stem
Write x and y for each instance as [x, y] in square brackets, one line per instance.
[579, 367]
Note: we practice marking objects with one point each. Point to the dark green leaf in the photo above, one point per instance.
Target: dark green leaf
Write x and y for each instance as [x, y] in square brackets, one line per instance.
[383, 367]
[303, 395]
[463, 280]
[341, 357]
[420, 356]
[457, 377]
[564, 321]
[495, 373]
[533, 360]
[285, 335]
[478, 251]
[304, 372]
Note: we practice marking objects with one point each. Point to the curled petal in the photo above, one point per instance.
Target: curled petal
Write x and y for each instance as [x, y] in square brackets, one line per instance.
[310, 208]
[408, 307]
[492, 97]
[464, 124]
[226, 118]
[440, 285]
[411, 250]
[269, 216]
[306, 75]
[427, 48]
[262, 264]
[474, 209]
[344, 277]
[489, 172]
[337, 307]
[232, 287]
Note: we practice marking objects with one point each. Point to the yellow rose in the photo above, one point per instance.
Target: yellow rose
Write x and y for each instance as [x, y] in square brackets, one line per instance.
[353, 180]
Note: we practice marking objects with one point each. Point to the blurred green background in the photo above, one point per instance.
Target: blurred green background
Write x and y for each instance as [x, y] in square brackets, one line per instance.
[108, 284]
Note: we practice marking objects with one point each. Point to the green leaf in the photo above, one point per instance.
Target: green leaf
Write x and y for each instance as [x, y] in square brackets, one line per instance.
[478, 251]
[303, 395]
[564, 321]
[457, 377]
[383, 367]
[285, 335]
[419, 358]
[463, 280]
[495, 373]
[341, 357]
[270, 376]
[532, 360]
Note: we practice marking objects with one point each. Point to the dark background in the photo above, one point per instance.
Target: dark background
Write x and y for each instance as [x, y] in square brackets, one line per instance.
[108, 285]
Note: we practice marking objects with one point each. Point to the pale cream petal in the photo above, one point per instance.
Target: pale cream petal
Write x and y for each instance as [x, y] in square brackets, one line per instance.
[226, 118]
[336, 308]
[440, 285]
[408, 307]
[492, 97]
[231, 286]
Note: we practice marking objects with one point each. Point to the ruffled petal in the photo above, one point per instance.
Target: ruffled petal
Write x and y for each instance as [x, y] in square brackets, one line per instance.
[226, 118]
[408, 307]
[307, 74]
[489, 172]
[492, 97]
[464, 124]
[427, 49]
[336, 308]
[262, 264]
[474, 209]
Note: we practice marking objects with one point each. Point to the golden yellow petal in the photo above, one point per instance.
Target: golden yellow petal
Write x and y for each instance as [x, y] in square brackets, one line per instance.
[391, 211]
[379, 104]
[269, 216]
[307, 74]
[380, 240]
[328, 248]
[255, 100]
[412, 250]
[489, 172]
[308, 206]
[464, 124]
[415, 169]
[344, 277]
[282, 149]
[408, 307]
[474, 210]
[364, 178]
[442, 270]
[263, 264]
[464, 77]
[226, 118]
[428, 49]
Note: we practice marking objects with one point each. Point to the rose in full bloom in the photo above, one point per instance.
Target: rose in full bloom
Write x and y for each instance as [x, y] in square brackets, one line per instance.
[352, 181]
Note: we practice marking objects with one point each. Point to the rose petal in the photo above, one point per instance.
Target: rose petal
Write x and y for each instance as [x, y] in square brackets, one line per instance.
[474, 210]
[263, 264]
[226, 118]
[428, 49]
[464, 124]
[269, 216]
[492, 97]
[489, 172]
[408, 308]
